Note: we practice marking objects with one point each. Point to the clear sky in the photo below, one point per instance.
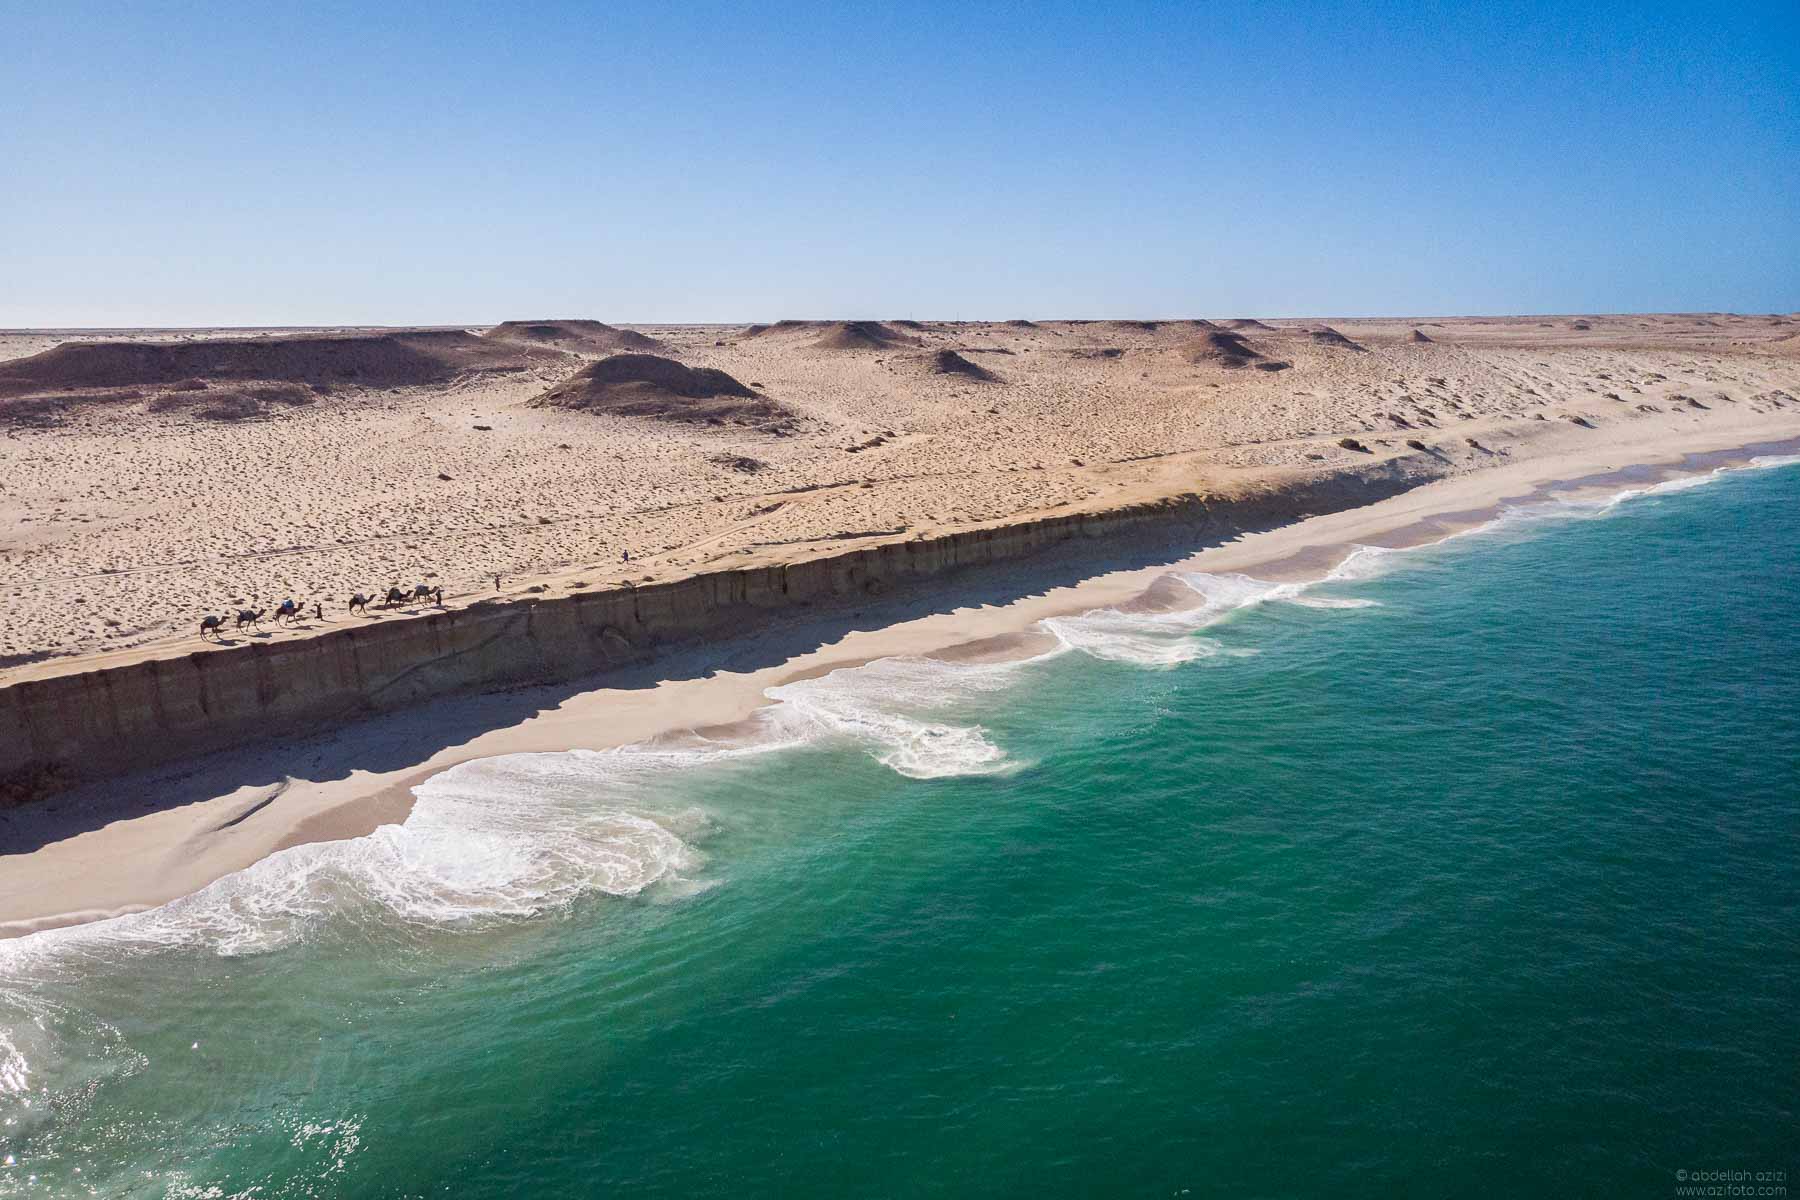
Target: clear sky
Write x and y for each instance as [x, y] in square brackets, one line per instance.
[246, 164]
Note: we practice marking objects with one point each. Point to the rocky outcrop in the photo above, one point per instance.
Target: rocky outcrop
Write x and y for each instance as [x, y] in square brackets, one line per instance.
[68, 729]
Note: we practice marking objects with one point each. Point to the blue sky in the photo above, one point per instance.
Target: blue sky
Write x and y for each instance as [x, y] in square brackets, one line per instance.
[442, 163]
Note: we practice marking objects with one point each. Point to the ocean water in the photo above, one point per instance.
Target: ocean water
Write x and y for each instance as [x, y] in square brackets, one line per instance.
[1470, 869]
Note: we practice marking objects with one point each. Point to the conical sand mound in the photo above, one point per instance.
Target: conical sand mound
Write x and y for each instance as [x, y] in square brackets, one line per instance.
[860, 335]
[647, 385]
[1325, 335]
[1419, 335]
[949, 362]
[1220, 348]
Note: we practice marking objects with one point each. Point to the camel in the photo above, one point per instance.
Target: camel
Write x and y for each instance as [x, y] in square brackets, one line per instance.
[289, 611]
[250, 618]
[394, 596]
[360, 603]
[425, 591]
[213, 625]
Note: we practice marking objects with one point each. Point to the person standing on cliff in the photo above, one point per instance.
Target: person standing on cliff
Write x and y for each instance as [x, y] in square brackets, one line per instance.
[496, 583]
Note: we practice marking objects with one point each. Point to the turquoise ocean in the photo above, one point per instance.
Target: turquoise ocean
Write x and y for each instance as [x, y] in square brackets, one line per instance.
[1468, 870]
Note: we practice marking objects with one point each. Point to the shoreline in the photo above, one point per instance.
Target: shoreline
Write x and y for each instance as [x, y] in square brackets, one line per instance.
[93, 857]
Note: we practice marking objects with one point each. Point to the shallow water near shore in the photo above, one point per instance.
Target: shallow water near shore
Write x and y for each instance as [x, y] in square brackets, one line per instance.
[1467, 868]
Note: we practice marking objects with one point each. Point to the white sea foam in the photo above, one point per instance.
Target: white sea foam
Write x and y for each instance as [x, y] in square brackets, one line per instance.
[893, 707]
[500, 838]
[494, 838]
[18, 1017]
[1157, 639]
[519, 834]
[1334, 602]
[1168, 639]
[1142, 639]
[1564, 507]
[1364, 562]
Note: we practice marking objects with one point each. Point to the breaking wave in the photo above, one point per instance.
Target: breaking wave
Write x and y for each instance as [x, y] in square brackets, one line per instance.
[521, 834]
[1588, 507]
[1170, 638]
[892, 707]
[494, 838]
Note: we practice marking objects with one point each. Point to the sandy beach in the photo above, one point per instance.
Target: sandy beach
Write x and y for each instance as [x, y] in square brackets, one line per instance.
[133, 843]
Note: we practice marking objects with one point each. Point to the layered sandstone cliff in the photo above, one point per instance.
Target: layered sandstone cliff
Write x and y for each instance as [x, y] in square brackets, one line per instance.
[67, 729]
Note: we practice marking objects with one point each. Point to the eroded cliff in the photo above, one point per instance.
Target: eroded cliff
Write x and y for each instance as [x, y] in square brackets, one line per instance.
[68, 729]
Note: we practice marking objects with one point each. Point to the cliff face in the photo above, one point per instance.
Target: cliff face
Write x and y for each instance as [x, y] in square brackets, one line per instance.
[64, 730]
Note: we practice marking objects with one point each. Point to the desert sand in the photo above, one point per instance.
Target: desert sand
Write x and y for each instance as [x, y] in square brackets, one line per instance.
[147, 478]
[320, 463]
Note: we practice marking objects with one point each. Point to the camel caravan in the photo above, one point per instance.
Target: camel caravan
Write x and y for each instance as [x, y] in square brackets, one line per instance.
[292, 612]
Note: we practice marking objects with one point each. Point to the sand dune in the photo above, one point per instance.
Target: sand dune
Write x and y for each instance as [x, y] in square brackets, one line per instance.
[949, 362]
[79, 374]
[1221, 348]
[592, 337]
[1327, 336]
[380, 360]
[860, 335]
[784, 326]
[646, 385]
